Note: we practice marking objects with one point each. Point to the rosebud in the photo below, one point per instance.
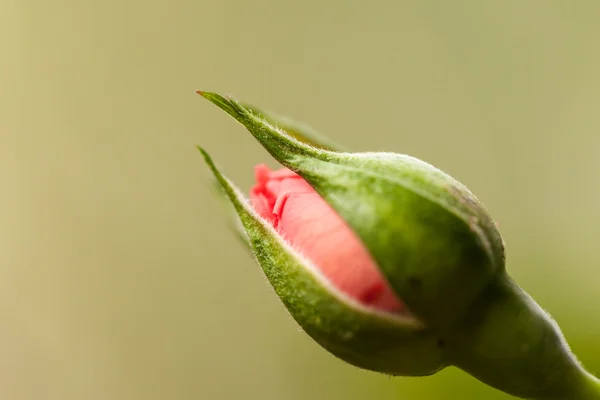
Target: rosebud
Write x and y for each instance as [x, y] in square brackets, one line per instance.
[394, 266]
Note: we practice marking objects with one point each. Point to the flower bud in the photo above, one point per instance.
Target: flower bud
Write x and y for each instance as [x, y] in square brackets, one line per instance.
[392, 343]
[392, 265]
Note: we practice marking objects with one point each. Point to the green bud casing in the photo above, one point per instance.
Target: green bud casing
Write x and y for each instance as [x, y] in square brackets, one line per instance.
[436, 246]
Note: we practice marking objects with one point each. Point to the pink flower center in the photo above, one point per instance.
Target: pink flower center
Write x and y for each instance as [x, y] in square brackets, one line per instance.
[313, 228]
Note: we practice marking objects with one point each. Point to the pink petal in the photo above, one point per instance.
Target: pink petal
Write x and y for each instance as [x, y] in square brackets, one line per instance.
[306, 221]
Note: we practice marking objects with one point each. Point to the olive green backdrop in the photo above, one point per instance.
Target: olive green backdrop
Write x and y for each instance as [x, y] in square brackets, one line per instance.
[119, 278]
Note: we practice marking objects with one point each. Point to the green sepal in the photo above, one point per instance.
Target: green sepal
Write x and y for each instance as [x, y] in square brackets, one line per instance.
[233, 219]
[368, 338]
[433, 241]
[298, 130]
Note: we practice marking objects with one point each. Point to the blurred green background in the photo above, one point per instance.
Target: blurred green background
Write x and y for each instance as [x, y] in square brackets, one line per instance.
[119, 278]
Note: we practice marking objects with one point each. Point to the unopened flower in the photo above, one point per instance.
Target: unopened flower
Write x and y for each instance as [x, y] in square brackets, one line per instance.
[392, 265]
[315, 230]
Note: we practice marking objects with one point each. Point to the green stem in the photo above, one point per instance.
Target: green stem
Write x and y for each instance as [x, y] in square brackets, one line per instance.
[510, 343]
[590, 388]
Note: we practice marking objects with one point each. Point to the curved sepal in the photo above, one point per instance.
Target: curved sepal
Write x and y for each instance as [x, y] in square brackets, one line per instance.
[298, 130]
[233, 218]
